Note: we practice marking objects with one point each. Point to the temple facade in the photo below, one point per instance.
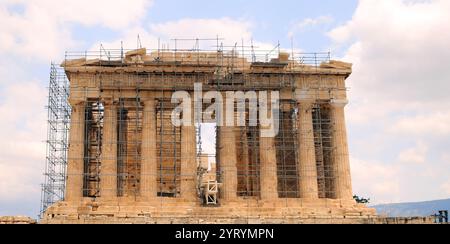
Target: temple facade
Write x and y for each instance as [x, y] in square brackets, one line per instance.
[128, 162]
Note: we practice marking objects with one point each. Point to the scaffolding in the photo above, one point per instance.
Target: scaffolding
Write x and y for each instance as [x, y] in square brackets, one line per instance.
[287, 150]
[230, 72]
[168, 150]
[57, 142]
[322, 127]
[93, 142]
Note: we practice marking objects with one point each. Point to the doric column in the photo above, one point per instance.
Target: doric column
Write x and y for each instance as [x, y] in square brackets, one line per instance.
[149, 160]
[341, 165]
[75, 167]
[228, 161]
[108, 172]
[244, 160]
[268, 158]
[268, 168]
[307, 169]
[188, 161]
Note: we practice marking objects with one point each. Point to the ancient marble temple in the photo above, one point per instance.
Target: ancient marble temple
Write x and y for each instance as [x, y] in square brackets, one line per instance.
[129, 163]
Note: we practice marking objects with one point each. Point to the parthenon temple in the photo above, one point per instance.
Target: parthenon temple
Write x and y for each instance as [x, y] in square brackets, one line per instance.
[121, 158]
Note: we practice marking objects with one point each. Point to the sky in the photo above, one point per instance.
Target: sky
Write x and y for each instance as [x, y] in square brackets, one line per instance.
[398, 118]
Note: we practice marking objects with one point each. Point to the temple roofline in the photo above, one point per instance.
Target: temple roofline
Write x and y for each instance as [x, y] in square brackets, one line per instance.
[230, 62]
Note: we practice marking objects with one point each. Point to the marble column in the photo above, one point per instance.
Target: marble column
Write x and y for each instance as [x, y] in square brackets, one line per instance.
[307, 169]
[244, 162]
[149, 159]
[108, 172]
[188, 161]
[75, 166]
[228, 163]
[268, 168]
[340, 165]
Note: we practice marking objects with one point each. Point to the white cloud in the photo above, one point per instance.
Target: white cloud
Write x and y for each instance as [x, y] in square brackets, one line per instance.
[375, 180]
[398, 93]
[417, 154]
[19, 182]
[309, 23]
[35, 35]
[22, 151]
[43, 30]
[229, 29]
[129, 39]
[115, 14]
[446, 188]
[446, 158]
[397, 54]
[436, 123]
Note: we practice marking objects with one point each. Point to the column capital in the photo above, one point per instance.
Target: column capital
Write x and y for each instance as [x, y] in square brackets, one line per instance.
[339, 103]
[76, 102]
[149, 101]
[109, 102]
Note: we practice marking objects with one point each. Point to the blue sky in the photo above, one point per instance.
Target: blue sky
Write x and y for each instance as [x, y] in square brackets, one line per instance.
[271, 21]
[398, 118]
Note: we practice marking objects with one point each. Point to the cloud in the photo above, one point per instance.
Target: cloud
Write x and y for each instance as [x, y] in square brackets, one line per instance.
[436, 123]
[115, 14]
[375, 180]
[19, 35]
[395, 50]
[417, 154]
[231, 30]
[446, 188]
[43, 29]
[310, 23]
[398, 95]
[446, 158]
[129, 40]
[22, 151]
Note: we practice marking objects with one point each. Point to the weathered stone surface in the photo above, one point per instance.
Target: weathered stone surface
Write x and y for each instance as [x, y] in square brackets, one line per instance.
[146, 169]
[141, 52]
[333, 64]
[16, 220]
